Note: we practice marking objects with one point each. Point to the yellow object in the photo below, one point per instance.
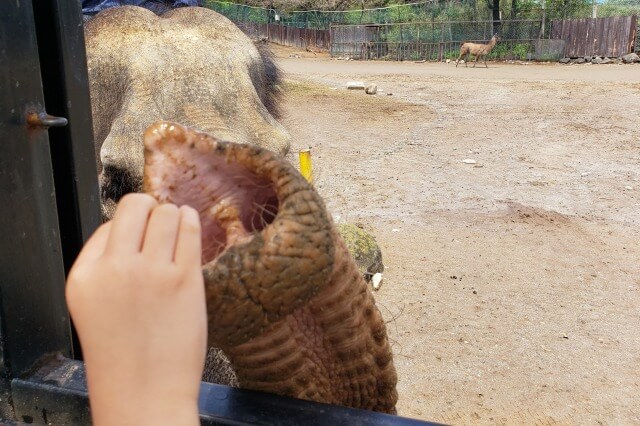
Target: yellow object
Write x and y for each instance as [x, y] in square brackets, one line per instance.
[305, 164]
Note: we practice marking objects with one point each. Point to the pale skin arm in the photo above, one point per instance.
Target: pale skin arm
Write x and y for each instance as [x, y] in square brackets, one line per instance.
[136, 296]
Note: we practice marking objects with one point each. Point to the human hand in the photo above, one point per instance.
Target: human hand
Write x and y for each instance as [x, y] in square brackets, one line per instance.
[136, 296]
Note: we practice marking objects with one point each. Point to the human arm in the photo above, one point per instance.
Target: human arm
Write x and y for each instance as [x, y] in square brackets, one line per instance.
[136, 296]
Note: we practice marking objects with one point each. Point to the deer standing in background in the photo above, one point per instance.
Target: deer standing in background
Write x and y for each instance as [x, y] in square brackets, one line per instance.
[478, 50]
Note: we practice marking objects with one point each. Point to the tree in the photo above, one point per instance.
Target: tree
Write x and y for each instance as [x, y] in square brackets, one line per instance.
[494, 5]
[514, 9]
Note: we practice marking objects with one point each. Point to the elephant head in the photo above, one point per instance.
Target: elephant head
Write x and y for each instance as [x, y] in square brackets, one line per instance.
[189, 65]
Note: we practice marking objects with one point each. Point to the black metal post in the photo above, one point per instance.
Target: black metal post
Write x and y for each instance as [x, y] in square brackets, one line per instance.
[33, 312]
[66, 92]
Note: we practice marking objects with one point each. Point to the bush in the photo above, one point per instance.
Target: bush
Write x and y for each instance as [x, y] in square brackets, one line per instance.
[520, 51]
[452, 54]
[499, 51]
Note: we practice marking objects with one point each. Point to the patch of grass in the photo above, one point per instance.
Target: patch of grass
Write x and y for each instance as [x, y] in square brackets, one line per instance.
[452, 54]
[520, 51]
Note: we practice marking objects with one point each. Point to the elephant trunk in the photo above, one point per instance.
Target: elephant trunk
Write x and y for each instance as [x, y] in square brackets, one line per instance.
[285, 300]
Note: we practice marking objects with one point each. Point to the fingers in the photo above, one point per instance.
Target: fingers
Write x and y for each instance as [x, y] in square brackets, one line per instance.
[188, 248]
[95, 245]
[162, 233]
[129, 224]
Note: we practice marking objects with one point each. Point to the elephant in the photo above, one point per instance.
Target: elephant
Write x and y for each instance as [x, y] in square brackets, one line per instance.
[190, 65]
[289, 311]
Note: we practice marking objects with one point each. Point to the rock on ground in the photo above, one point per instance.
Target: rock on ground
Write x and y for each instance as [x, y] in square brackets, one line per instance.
[630, 58]
[364, 249]
[355, 85]
[371, 89]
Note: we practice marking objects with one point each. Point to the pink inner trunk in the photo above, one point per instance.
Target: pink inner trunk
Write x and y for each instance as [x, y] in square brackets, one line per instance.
[233, 202]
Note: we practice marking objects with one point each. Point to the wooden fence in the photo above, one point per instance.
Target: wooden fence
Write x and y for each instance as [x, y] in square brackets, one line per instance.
[301, 38]
[613, 37]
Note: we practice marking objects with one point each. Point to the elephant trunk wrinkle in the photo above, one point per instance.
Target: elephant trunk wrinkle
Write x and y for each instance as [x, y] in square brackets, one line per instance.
[285, 300]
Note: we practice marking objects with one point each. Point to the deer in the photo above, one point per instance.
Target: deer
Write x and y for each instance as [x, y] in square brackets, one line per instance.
[478, 50]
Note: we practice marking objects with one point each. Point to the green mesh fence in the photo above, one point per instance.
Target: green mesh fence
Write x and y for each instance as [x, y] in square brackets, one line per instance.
[241, 13]
[522, 21]
[319, 19]
[433, 40]
[430, 10]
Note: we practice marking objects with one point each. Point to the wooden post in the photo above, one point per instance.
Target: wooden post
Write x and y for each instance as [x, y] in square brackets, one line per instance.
[441, 47]
[268, 23]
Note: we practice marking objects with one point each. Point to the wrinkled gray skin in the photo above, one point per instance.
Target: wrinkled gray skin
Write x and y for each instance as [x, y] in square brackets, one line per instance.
[190, 65]
[285, 300]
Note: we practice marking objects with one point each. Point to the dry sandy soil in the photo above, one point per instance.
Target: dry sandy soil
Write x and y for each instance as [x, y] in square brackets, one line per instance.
[512, 286]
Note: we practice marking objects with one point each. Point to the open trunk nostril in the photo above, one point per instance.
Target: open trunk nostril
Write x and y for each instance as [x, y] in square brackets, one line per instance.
[264, 214]
[261, 214]
[233, 201]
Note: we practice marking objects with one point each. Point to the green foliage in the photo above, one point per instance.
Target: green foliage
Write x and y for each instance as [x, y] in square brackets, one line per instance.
[452, 54]
[500, 51]
[293, 12]
[431, 25]
[520, 51]
[619, 8]
[564, 9]
[239, 13]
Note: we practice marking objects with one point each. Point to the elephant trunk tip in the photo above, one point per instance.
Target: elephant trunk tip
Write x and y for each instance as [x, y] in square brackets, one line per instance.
[216, 178]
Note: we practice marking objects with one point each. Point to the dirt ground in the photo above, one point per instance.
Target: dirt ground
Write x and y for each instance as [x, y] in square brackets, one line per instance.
[512, 285]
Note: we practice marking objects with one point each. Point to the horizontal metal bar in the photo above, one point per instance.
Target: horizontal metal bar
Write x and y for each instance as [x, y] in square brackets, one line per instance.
[57, 394]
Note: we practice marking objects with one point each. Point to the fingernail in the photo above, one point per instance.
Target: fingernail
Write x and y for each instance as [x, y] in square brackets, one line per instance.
[190, 213]
[185, 208]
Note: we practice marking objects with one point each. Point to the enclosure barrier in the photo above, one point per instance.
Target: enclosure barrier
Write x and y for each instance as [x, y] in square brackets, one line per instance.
[612, 37]
[428, 10]
[301, 38]
[433, 40]
[401, 32]
[438, 41]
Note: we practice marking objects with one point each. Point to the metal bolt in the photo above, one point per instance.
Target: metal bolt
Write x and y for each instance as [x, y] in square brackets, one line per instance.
[42, 119]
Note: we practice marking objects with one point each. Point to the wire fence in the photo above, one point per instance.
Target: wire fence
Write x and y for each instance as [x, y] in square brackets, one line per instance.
[430, 10]
[426, 30]
[432, 40]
